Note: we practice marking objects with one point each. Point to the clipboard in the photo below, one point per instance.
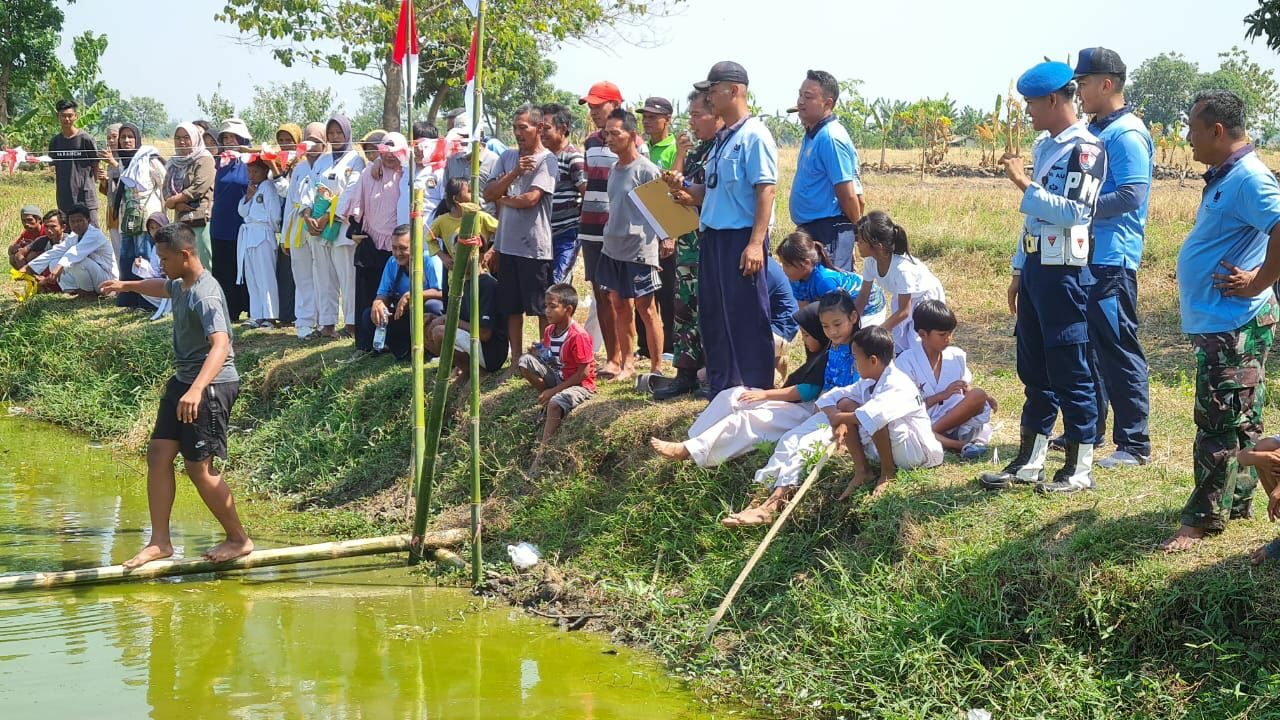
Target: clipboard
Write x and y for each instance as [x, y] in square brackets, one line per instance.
[667, 218]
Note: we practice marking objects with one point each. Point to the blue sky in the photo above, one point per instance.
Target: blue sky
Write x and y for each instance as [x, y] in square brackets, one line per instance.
[905, 49]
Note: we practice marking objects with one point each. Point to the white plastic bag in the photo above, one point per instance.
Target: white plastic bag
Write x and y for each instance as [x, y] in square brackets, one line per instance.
[523, 556]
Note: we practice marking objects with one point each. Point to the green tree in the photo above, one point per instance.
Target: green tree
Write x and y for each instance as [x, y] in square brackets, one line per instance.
[217, 108]
[355, 36]
[29, 35]
[852, 110]
[1162, 87]
[35, 120]
[147, 113]
[1254, 84]
[785, 130]
[967, 120]
[1264, 23]
[295, 102]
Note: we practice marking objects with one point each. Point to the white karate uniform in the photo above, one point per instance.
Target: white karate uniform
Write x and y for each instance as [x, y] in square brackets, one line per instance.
[256, 251]
[86, 263]
[299, 198]
[729, 427]
[148, 268]
[905, 276]
[336, 261]
[893, 401]
[954, 367]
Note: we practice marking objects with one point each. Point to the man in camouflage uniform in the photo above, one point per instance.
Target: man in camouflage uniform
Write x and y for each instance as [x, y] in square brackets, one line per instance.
[1226, 268]
[686, 341]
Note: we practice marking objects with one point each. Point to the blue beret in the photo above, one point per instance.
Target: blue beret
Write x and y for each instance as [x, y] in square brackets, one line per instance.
[1044, 79]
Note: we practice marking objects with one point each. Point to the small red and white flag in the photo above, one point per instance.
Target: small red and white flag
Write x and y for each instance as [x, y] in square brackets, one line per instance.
[405, 52]
[469, 97]
[473, 6]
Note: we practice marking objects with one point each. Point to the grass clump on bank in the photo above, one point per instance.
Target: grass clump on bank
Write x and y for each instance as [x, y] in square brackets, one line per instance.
[935, 598]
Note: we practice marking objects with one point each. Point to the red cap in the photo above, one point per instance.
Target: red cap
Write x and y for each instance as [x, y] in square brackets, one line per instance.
[602, 92]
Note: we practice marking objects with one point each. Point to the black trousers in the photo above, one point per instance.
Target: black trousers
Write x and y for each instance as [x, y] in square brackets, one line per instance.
[370, 262]
[224, 271]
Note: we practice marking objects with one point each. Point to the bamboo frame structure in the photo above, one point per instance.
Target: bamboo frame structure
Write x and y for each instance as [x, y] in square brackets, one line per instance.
[256, 559]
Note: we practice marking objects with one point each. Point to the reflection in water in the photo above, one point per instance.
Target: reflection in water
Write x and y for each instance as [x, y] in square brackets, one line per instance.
[358, 640]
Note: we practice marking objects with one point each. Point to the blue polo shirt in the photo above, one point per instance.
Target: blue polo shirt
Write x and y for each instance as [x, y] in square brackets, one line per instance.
[743, 157]
[782, 304]
[1239, 208]
[824, 280]
[1130, 161]
[827, 159]
[396, 281]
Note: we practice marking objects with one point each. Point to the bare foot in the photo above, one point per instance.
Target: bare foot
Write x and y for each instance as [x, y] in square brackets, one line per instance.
[751, 517]
[229, 550]
[1262, 554]
[608, 370]
[328, 332]
[669, 450]
[880, 487]
[1183, 540]
[624, 375]
[858, 481]
[148, 553]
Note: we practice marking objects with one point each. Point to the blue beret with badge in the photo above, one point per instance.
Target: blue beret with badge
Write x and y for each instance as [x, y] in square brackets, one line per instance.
[1045, 79]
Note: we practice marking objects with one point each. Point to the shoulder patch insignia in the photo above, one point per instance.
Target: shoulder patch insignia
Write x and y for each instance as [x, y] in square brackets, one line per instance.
[1088, 156]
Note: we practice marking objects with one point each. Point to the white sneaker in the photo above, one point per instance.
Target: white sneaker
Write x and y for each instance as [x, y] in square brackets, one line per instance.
[1120, 459]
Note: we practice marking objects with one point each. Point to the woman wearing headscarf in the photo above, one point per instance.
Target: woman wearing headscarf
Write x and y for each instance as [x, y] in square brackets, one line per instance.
[295, 237]
[288, 135]
[138, 195]
[335, 259]
[739, 419]
[188, 186]
[369, 145]
[229, 185]
[108, 180]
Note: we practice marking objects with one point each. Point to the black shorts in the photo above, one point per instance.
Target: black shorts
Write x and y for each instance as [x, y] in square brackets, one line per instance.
[522, 285]
[592, 251]
[627, 279]
[207, 436]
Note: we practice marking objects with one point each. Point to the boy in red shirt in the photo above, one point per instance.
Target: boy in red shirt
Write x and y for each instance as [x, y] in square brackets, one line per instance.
[31, 231]
[562, 368]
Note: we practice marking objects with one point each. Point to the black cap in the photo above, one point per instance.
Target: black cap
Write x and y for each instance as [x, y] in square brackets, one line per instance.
[657, 106]
[1100, 61]
[723, 71]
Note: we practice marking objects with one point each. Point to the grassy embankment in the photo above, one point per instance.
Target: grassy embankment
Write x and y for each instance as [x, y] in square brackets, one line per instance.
[934, 598]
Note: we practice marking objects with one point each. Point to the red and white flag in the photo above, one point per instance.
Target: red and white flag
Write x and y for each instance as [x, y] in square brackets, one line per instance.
[473, 113]
[473, 6]
[405, 52]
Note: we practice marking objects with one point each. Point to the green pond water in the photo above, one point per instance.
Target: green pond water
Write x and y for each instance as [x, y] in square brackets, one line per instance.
[357, 639]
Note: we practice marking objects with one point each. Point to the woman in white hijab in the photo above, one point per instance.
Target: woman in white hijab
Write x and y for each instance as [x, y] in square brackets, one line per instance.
[188, 186]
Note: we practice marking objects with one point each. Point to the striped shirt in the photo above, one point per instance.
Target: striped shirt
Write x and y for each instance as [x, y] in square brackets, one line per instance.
[599, 161]
[557, 342]
[567, 202]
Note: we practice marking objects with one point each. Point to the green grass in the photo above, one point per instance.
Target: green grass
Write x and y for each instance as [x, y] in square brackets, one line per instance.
[933, 599]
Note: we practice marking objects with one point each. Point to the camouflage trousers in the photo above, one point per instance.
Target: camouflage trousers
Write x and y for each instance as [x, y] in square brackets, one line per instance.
[686, 340]
[1230, 393]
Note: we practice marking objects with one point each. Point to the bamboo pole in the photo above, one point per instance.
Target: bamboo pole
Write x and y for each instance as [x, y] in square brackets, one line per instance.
[764, 544]
[255, 559]
[477, 555]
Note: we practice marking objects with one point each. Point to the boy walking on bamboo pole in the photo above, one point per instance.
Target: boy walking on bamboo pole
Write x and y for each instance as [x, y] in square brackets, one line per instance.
[193, 413]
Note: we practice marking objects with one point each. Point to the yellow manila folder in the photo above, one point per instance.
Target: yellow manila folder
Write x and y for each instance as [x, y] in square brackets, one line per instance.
[667, 218]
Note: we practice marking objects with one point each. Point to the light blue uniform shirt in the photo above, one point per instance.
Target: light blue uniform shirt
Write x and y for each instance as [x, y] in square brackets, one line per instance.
[1054, 198]
[739, 161]
[396, 282]
[1130, 161]
[827, 159]
[1236, 215]
[824, 280]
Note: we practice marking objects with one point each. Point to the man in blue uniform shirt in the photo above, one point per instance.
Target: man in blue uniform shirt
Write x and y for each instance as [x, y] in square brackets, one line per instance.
[826, 196]
[1050, 282]
[1119, 225]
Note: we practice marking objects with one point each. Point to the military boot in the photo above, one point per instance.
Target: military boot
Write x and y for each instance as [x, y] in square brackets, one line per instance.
[1075, 475]
[1025, 469]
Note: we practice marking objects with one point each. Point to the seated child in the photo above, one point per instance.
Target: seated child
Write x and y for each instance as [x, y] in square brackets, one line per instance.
[443, 233]
[888, 264]
[492, 329]
[812, 275]
[53, 227]
[562, 368]
[961, 415]
[19, 250]
[739, 418]
[839, 320]
[1265, 459]
[882, 417]
[148, 268]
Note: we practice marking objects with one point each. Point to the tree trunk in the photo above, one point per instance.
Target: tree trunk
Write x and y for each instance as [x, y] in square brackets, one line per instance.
[434, 108]
[394, 75]
[5, 76]
[884, 142]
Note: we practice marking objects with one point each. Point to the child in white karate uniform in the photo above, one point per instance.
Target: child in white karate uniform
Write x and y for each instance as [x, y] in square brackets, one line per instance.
[262, 210]
[839, 320]
[888, 263]
[740, 418]
[882, 417]
[960, 413]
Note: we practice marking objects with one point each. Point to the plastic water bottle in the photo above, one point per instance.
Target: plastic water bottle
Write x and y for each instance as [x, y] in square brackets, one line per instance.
[380, 338]
[543, 353]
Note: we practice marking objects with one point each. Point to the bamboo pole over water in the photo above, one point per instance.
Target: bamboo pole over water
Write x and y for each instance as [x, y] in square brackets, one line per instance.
[255, 559]
[477, 556]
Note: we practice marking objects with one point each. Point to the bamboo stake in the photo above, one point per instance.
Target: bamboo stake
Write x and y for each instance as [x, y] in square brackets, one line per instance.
[764, 544]
[477, 556]
[256, 559]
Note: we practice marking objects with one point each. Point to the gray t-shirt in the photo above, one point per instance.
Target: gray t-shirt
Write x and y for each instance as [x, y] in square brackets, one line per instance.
[199, 312]
[627, 237]
[527, 232]
[459, 166]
